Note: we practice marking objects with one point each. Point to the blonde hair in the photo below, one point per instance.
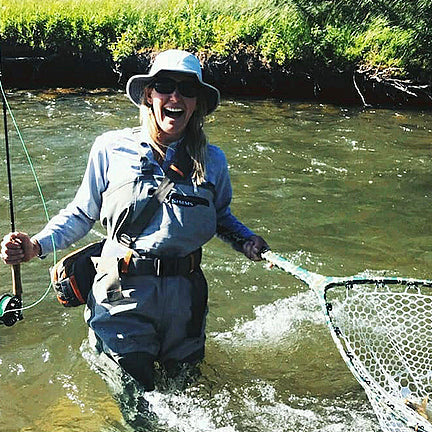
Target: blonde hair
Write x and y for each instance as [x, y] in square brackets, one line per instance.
[194, 139]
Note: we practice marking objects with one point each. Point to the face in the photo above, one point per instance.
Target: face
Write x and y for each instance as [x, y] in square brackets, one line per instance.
[173, 100]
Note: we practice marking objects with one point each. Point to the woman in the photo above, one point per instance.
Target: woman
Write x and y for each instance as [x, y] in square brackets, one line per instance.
[150, 307]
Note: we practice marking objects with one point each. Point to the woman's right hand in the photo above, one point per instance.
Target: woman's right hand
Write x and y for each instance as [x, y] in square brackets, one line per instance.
[17, 247]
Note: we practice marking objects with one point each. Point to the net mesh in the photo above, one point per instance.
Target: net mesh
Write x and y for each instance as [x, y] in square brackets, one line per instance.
[386, 332]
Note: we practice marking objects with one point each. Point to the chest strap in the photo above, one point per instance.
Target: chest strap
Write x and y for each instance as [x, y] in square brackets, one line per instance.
[129, 230]
[155, 266]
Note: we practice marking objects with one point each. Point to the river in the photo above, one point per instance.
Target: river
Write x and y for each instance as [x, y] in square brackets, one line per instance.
[336, 190]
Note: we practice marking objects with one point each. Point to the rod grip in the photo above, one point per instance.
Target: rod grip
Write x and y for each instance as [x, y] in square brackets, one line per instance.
[16, 280]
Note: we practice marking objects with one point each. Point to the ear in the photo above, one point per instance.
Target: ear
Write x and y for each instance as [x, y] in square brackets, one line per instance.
[147, 97]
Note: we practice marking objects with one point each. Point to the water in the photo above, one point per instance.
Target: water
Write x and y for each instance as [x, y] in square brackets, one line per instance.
[336, 190]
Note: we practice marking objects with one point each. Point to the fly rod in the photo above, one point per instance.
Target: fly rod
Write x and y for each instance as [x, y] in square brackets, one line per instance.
[10, 305]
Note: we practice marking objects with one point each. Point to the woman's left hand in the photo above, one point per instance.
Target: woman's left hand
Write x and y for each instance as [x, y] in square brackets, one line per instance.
[253, 247]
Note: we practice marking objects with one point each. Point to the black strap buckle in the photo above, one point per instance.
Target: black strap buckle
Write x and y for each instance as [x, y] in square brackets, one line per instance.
[166, 267]
[157, 264]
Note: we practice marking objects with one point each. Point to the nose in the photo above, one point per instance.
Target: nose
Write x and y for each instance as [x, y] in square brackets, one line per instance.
[175, 95]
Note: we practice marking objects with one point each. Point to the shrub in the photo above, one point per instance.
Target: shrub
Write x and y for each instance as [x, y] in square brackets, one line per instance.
[341, 34]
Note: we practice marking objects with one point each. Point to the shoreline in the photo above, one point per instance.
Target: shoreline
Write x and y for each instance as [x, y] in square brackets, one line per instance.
[240, 75]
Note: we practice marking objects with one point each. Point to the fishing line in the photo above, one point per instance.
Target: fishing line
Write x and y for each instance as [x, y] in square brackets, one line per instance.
[39, 188]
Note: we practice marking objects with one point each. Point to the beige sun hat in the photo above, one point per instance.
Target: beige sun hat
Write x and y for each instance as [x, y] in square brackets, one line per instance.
[177, 61]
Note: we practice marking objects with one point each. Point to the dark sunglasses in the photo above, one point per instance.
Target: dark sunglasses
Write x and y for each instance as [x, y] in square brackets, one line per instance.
[188, 89]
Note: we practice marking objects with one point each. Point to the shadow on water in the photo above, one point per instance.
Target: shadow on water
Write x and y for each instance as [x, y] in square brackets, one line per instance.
[337, 190]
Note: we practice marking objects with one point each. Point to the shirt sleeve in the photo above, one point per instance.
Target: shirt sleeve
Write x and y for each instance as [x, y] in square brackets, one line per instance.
[75, 221]
[229, 228]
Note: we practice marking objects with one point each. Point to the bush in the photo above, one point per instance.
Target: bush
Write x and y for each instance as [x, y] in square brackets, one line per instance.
[383, 46]
[341, 34]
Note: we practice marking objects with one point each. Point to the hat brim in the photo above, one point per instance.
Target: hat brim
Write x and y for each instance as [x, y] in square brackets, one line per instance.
[137, 83]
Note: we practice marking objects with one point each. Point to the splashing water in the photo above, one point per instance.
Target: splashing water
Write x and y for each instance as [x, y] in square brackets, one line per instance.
[274, 323]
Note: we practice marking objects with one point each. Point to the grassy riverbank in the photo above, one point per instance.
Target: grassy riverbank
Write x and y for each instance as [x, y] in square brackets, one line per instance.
[386, 36]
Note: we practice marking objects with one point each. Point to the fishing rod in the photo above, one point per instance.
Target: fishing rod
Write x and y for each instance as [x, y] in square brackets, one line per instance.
[10, 305]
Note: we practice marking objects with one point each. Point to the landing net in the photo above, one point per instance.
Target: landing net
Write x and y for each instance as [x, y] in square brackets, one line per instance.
[384, 332]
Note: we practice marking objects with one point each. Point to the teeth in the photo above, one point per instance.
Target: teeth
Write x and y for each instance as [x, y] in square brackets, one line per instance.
[174, 109]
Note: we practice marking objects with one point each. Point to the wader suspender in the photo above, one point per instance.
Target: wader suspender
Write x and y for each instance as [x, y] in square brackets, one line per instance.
[179, 169]
[137, 227]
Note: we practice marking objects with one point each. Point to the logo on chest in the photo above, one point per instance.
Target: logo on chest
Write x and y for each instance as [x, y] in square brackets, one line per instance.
[187, 201]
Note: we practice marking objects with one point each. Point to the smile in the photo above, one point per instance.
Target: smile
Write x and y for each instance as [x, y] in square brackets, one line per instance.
[173, 112]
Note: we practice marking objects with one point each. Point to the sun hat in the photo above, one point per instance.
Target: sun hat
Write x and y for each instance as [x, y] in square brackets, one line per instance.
[177, 61]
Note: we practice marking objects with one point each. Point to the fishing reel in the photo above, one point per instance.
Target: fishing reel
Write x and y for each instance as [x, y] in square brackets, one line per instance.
[10, 309]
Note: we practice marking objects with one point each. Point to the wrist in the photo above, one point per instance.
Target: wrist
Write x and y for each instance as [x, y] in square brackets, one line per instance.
[37, 250]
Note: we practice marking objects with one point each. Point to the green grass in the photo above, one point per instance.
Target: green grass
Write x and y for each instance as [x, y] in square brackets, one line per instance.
[65, 25]
[380, 34]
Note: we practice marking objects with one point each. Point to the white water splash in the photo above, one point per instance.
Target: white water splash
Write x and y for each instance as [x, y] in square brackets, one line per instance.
[274, 322]
[182, 412]
[17, 368]
[254, 405]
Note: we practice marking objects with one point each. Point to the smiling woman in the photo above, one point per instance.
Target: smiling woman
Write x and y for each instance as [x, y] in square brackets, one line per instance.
[148, 302]
[171, 97]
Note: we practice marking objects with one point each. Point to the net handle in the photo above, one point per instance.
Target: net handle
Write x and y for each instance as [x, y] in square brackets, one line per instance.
[311, 279]
[320, 283]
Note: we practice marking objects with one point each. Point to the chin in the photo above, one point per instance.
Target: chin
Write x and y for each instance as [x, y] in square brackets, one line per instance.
[176, 130]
